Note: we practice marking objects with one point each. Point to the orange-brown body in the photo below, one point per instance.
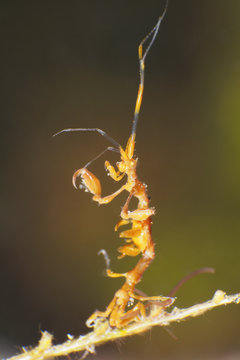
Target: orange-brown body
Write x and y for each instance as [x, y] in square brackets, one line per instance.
[138, 237]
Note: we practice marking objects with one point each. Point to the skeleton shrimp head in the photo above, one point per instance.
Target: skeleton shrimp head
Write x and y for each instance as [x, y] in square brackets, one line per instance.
[128, 163]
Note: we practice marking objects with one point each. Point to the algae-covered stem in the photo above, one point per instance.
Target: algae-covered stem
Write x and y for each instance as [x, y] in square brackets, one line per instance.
[103, 333]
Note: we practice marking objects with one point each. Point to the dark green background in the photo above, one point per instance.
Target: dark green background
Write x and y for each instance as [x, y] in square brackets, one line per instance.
[74, 64]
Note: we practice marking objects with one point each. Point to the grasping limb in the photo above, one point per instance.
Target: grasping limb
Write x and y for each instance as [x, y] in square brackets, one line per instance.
[138, 214]
[109, 198]
[92, 184]
[115, 175]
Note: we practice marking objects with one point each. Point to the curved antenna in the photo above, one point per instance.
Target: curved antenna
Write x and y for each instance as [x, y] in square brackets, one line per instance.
[142, 56]
[110, 148]
[204, 270]
[101, 132]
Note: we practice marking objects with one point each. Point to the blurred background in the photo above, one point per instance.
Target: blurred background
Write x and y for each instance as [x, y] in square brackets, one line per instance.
[74, 64]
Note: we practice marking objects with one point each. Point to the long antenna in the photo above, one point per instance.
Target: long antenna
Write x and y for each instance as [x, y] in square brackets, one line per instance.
[142, 56]
[99, 131]
[109, 148]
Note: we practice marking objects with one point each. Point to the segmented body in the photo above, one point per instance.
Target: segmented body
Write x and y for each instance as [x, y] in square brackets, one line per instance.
[138, 237]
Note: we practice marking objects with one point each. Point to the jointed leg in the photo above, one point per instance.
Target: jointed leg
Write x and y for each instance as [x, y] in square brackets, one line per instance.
[121, 223]
[149, 298]
[109, 198]
[115, 175]
[112, 274]
[128, 250]
[132, 315]
[139, 214]
[101, 314]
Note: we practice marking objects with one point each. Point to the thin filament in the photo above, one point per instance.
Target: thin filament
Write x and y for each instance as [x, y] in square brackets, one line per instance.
[99, 155]
[142, 56]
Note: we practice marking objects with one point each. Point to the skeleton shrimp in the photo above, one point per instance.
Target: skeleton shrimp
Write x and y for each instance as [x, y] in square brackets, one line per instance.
[138, 237]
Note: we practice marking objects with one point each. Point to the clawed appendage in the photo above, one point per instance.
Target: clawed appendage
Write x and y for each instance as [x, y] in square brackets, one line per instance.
[91, 184]
[116, 317]
[115, 175]
[116, 313]
[115, 321]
